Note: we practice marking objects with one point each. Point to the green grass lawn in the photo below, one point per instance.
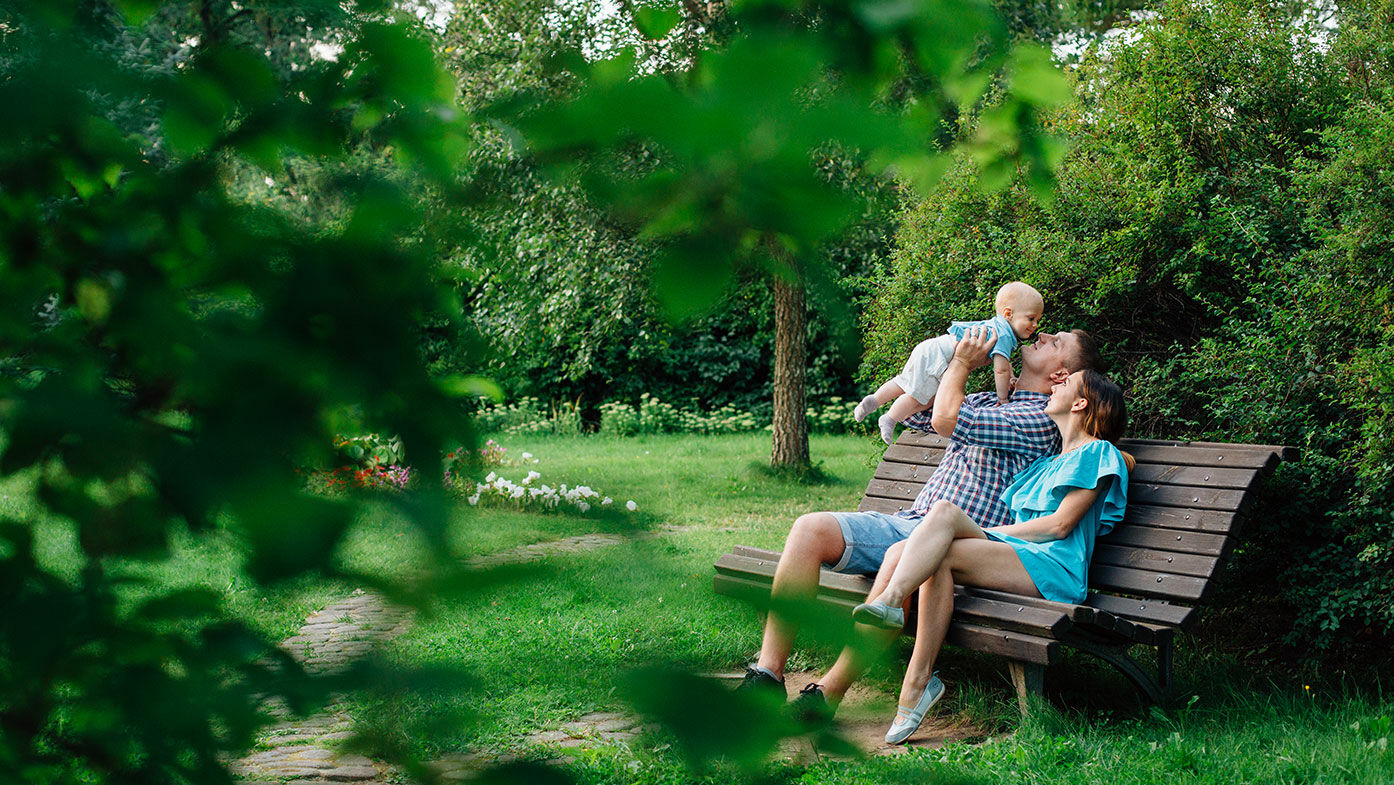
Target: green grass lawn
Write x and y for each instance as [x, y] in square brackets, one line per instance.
[546, 644]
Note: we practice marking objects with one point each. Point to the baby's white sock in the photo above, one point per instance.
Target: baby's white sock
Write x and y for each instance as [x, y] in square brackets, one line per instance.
[887, 424]
[866, 407]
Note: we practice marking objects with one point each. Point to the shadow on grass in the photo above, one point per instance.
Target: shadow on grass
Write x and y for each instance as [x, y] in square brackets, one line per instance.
[812, 474]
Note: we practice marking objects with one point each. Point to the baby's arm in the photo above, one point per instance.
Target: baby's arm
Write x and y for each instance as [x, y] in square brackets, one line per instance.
[1002, 375]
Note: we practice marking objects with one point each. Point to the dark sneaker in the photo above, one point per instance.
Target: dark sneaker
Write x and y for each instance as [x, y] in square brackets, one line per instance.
[811, 709]
[758, 682]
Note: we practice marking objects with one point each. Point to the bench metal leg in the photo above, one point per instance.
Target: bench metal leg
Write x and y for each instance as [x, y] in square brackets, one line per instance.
[1154, 689]
[1029, 680]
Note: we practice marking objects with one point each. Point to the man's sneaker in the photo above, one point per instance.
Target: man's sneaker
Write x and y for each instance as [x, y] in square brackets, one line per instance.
[758, 681]
[811, 709]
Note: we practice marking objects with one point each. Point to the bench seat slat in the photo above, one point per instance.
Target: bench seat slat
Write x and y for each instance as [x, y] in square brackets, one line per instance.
[1147, 611]
[1013, 645]
[1031, 619]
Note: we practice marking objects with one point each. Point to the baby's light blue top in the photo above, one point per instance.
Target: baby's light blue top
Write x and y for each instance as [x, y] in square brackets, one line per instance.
[1006, 339]
[1060, 568]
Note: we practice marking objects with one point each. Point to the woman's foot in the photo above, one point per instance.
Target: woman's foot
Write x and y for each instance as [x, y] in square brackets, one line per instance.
[879, 614]
[887, 425]
[865, 408]
[908, 719]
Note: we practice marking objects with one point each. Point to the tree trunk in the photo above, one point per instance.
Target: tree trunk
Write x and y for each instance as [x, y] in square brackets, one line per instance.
[790, 366]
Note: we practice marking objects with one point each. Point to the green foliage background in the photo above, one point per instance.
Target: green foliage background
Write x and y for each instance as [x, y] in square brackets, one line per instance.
[1222, 223]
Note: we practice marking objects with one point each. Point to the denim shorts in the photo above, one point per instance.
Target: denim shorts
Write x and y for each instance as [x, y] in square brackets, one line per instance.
[867, 536]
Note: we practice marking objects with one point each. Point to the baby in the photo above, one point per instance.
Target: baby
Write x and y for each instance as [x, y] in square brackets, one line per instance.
[1019, 308]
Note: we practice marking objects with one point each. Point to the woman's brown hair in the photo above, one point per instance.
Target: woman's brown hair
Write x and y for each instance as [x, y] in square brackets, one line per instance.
[1107, 415]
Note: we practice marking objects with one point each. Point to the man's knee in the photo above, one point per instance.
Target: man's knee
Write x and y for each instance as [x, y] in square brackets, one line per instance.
[817, 532]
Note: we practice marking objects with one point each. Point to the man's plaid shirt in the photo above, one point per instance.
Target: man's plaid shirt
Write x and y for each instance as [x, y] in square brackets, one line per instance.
[989, 445]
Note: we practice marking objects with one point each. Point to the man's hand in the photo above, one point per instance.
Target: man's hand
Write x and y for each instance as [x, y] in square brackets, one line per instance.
[975, 348]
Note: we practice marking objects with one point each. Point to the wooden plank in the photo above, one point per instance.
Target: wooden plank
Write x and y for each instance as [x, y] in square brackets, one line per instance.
[757, 592]
[1198, 476]
[912, 438]
[1198, 543]
[890, 489]
[756, 553]
[1013, 645]
[1186, 497]
[1163, 561]
[1204, 455]
[1283, 452]
[1079, 614]
[1149, 583]
[1019, 617]
[1216, 521]
[1157, 612]
[903, 472]
[877, 504]
[909, 453]
[852, 587]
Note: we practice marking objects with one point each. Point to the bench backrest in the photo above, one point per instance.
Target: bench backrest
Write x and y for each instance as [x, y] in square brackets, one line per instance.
[1186, 504]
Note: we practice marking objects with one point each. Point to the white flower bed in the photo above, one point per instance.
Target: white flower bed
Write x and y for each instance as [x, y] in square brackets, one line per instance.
[528, 493]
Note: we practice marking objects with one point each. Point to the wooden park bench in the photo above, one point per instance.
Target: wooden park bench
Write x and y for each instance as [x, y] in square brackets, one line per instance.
[1186, 505]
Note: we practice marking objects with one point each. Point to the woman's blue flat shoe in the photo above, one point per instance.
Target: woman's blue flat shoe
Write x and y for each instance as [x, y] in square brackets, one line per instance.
[907, 721]
[879, 614]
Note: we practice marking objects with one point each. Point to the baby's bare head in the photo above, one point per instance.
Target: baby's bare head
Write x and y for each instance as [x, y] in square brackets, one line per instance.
[1022, 306]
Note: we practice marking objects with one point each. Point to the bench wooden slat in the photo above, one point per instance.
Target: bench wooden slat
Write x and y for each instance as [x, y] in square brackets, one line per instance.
[1215, 521]
[1020, 617]
[1152, 583]
[1013, 645]
[1195, 476]
[1282, 451]
[757, 591]
[1148, 559]
[1219, 457]
[1138, 536]
[849, 587]
[1147, 611]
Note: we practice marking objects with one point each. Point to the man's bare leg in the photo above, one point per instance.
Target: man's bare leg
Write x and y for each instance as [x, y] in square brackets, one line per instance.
[815, 539]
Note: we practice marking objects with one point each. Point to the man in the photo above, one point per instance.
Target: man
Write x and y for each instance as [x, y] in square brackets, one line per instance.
[988, 445]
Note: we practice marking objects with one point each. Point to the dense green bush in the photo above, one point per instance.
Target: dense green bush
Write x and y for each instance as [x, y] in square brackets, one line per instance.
[1223, 222]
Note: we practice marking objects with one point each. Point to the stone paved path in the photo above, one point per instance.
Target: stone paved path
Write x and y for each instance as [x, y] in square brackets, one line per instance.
[306, 751]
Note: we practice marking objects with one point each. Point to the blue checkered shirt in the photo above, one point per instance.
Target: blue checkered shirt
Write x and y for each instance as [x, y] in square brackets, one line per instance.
[989, 445]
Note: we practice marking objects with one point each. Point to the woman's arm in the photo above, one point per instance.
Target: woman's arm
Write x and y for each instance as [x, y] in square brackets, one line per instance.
[1057, 525]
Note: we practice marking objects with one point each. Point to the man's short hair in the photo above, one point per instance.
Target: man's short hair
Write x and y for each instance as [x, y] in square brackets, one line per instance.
[1086, 353]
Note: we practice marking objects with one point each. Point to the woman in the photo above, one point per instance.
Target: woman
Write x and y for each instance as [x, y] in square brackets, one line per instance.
[1060, 503]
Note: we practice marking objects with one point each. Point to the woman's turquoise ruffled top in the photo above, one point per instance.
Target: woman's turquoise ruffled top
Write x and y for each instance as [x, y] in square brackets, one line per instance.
[1060, 568]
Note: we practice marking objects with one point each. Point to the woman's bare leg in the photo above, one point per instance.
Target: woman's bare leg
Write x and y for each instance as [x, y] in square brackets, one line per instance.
[973, 562]
[926, 549]
[936, 606]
